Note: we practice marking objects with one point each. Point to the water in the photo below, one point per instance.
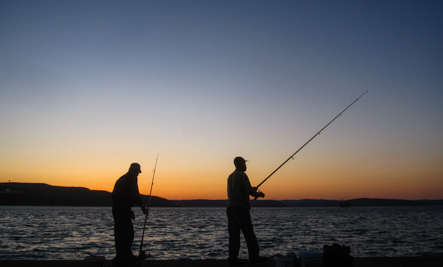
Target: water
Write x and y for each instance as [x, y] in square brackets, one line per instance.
[71, 233]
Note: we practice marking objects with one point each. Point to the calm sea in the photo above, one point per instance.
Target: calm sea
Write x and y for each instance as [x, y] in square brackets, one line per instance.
[71, 233]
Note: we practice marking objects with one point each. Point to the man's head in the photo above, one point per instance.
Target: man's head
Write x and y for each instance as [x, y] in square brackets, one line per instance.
[135, 168]
[240, 164]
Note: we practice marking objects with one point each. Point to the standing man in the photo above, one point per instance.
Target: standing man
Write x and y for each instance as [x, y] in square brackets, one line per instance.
[124, 196]
[239, 218]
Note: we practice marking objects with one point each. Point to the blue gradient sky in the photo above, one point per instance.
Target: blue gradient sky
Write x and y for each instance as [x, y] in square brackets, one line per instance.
[87, 87]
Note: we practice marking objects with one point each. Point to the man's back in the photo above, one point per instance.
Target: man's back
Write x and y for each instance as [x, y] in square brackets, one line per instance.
[238, 193]
[126, 190]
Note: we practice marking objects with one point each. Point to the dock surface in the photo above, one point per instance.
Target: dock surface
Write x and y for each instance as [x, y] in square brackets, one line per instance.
[359, 262]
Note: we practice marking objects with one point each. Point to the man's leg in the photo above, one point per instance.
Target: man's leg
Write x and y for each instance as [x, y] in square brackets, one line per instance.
[117, 231]
[128, 238]
[234, 235]
[248, 232]
[124, 232]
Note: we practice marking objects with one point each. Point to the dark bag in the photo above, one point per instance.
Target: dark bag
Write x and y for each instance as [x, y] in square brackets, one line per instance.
[337, 256]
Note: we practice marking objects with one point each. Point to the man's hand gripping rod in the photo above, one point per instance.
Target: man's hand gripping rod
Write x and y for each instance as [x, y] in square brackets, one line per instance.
[292, 156]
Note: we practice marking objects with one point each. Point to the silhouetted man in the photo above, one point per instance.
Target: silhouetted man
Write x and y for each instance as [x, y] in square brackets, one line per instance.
[124, 196]
[239, 218]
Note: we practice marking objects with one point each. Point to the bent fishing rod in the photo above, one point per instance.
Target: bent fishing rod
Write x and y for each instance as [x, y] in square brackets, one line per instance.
[292, 156]
[141, 252]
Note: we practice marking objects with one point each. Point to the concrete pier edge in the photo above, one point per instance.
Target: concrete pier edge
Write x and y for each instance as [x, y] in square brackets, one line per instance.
[359, 262]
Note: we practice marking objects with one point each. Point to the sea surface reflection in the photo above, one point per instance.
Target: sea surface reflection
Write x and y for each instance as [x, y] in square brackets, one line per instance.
[71, 233]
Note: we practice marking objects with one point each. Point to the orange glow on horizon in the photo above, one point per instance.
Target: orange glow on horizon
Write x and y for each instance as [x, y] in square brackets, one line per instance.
[315, 189]
[297, 181]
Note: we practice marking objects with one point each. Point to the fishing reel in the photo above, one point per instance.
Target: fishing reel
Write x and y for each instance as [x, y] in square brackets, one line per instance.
[258, 191]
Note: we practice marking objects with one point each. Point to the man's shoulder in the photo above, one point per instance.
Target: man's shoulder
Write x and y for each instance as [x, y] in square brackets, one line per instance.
[124, 180]
[127, 176]
[238, 174]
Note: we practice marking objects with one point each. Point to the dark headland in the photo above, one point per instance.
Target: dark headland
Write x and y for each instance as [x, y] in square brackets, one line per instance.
[38, 194]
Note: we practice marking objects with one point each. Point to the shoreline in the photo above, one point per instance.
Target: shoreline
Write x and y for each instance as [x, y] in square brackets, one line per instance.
[359, 262]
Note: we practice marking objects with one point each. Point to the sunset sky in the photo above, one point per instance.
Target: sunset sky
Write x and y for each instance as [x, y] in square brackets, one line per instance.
[88, 87]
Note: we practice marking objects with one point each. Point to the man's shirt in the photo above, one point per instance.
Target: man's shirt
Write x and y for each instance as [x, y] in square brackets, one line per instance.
[126, 192]
[239, 189]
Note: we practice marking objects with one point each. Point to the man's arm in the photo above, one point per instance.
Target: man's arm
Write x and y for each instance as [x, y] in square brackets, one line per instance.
[252, 190]
[138, 199]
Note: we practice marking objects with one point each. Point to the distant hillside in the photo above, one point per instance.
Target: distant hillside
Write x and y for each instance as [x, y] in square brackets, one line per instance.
[33, 194]
[311, 203]
[47, 195]
[375, 202]
[223, 203]
[362, 202]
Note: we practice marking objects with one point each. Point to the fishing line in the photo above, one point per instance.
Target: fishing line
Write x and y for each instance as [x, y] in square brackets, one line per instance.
[292, 156]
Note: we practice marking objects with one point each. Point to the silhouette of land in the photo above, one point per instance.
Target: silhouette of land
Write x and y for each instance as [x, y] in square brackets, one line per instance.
[31, 194]
[38, 194]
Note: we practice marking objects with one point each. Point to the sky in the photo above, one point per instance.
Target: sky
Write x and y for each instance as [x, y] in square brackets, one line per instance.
[88, 87]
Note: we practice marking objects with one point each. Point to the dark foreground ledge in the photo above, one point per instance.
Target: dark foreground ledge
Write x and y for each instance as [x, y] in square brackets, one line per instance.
[359, 262]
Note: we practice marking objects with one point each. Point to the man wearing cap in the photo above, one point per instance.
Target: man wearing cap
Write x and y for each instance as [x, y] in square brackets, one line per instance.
[239, 218]
[124, 196]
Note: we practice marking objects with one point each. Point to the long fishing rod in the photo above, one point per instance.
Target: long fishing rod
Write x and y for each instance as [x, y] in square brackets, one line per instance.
[141, 252]
[292, 156]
